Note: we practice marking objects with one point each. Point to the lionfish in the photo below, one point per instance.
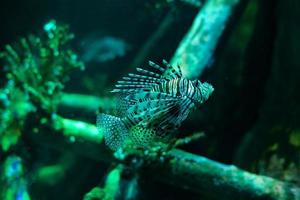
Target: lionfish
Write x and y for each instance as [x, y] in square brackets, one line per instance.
[152, 105]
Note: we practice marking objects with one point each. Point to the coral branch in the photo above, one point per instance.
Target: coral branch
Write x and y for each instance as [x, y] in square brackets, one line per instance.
[192, 171]
[197, 47]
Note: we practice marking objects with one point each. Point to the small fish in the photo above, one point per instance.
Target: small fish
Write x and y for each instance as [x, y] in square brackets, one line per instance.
[153, 104]
[103, 49]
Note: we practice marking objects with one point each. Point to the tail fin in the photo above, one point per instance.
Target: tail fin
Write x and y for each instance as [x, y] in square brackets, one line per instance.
[113, 129]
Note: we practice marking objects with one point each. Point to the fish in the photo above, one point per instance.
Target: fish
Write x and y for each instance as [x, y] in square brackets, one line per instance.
[103, 49]
[152, 105]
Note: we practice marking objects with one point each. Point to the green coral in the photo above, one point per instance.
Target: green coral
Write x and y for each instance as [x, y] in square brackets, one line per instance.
[39, 66]
[36, 71]
[13, 184]
[14, 106]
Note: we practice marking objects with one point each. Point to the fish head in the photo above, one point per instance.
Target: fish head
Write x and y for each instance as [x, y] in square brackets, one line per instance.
[203, 91]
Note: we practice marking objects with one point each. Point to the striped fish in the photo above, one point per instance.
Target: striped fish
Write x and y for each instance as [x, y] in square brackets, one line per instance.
[153, 104]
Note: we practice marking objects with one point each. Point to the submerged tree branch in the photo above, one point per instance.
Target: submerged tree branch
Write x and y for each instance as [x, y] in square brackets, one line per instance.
[194, 3]
[187, 170]
[77, 130]
[88, 103]
[222, 181]
[197, 47]
[111, 189]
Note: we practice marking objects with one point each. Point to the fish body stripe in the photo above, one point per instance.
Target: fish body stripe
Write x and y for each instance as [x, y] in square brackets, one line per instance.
[176, 87]
[128, 122]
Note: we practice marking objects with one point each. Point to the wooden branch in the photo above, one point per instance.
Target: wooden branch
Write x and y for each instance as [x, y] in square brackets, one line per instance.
[111, 189]
[113, 182]
[197, 47]
[75, 130]
[54, 173]
[186, 170]
[87, 103]
[221, 181]
[194, 3]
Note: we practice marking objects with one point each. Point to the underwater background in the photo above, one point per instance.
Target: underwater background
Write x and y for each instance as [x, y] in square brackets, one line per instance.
[59, 60]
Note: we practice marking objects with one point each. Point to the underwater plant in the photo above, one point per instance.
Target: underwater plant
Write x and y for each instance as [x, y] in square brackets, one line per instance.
[36, 70]
[13, 183]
